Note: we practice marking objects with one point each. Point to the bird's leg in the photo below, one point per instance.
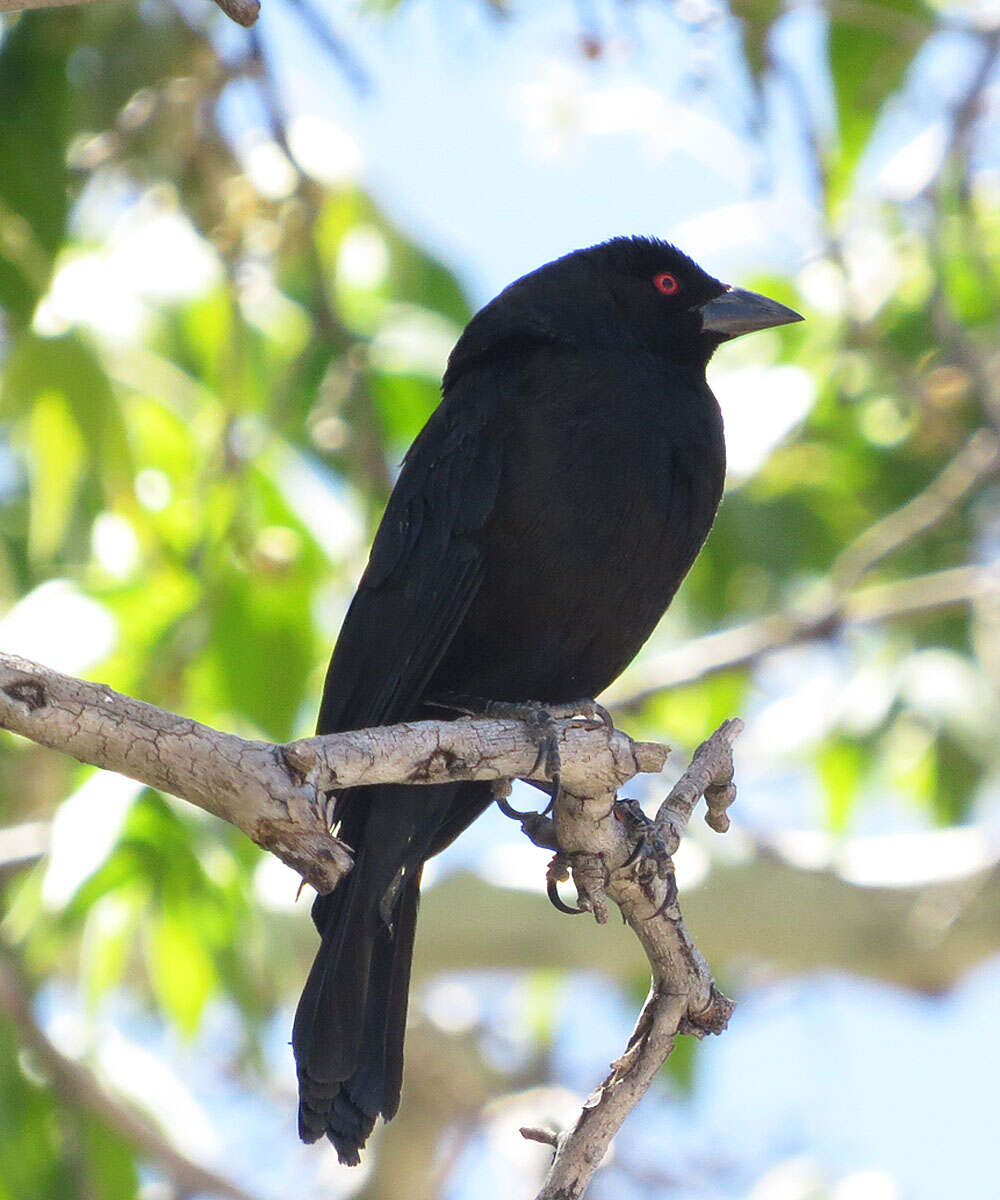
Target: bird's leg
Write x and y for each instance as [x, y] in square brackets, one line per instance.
[541, 719]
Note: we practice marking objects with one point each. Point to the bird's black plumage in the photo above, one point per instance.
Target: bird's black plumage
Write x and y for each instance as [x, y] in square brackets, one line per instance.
[541, 524]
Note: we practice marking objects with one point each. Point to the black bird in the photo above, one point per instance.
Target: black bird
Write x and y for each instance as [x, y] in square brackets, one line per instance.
[541, 524]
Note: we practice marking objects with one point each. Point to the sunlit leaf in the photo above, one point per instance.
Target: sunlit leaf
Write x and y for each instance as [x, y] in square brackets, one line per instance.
[55, 463]
[871, 45]
[181, 970]
[108, 937]
[841, 765]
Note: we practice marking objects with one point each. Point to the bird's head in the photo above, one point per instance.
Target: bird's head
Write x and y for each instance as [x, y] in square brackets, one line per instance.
[670, 301]
[629, 288]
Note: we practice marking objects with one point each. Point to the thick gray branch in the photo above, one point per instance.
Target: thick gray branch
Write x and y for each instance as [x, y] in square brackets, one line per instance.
[246, 783]
[277, 794]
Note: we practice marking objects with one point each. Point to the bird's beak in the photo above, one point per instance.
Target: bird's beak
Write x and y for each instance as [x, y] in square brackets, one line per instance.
[737, 311]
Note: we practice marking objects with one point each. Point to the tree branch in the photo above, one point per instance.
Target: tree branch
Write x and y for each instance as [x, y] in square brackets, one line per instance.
[278, 794]
[745, 644]
[975, 462]
[609, 861]
[243, 12]
[22, 846]
[73, 1082]
[844, 604]
[931, 915]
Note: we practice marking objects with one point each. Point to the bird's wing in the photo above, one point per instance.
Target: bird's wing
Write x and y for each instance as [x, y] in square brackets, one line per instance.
[425, 568]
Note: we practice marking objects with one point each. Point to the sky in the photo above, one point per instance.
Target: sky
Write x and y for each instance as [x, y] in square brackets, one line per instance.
[498, 146]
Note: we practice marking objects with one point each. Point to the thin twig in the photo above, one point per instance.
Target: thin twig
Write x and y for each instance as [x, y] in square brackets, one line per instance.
[74, 1083]
[746, 644]
[23, 845]
[975, 462]
[243, 12]
[319, 25]
[954, 336]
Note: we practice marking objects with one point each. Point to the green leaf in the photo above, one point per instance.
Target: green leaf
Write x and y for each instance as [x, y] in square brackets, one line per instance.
[68, 368]
[871, 45]
[110, 929]
[111, 1170]
[34, 101]
[691, 713]
[181, 969]
[841, 766]
[55, 467]
[31, 1165]
[756, 17]
[74, 367]
[404, 404]
[959, 774]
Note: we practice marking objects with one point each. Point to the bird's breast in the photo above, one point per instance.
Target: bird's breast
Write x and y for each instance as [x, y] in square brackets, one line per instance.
[600, 513]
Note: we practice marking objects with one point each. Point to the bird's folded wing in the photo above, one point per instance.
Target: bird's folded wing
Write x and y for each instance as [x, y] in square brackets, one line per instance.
[425, 568]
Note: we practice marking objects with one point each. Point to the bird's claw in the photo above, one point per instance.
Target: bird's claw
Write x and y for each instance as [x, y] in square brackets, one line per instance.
[558, 872]
[515, 814]
[649, 844]
[590, 710]
[536, 826]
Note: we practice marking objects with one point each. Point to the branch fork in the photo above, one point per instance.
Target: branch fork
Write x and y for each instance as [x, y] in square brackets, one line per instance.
[616, 853]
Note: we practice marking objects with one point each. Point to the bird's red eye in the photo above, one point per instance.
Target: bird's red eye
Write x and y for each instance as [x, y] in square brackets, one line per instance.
[666, 283]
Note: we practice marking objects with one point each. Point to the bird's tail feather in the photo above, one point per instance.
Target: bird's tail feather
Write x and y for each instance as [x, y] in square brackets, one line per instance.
[349, 1026]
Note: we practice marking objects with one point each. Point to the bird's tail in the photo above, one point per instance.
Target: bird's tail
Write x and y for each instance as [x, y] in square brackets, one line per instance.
[349, 1026]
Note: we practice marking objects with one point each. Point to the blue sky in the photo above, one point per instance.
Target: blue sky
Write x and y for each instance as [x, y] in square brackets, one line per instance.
[500, 147]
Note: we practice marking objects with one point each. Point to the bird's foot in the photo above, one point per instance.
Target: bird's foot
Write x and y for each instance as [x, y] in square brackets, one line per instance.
[541, 720]
[649, 845]
[541, 723]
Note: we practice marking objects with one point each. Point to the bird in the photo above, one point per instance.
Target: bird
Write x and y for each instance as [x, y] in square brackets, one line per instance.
[540, 525]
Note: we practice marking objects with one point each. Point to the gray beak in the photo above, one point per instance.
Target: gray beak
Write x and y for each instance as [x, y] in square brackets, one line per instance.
[737, 311]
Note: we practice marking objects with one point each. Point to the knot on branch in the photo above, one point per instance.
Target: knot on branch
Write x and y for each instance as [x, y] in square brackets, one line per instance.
[28, 692]
[712, 1019]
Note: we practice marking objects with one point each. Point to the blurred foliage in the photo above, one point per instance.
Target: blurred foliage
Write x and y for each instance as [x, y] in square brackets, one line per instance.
[204, 462]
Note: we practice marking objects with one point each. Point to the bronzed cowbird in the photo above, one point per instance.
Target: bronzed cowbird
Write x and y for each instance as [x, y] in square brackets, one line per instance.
[541, 524]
